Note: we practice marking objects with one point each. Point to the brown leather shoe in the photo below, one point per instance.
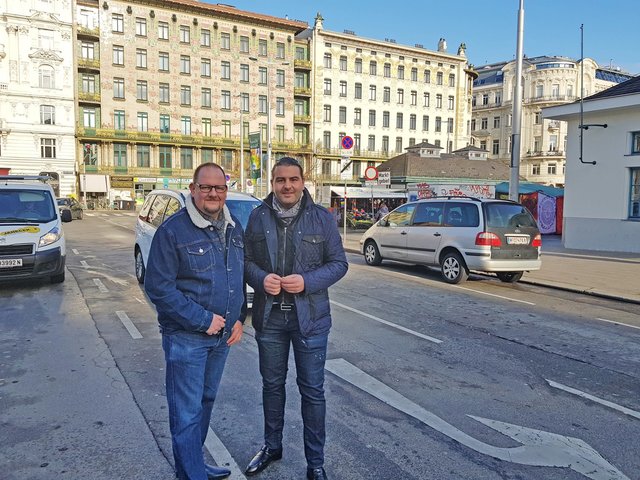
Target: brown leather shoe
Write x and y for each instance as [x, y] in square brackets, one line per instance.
[262, 460]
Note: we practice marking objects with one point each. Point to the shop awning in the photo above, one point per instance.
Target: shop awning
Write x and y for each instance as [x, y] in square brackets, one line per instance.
[368, 192]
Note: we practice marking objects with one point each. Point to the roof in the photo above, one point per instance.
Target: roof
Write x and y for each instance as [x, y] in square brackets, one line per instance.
[423, 145]
[446, 166]
[625, 88]
[470, 148]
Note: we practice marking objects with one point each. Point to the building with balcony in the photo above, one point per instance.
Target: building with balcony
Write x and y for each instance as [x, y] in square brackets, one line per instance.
[163, 86]
[547, 81]
[37, 107]
[384, 95]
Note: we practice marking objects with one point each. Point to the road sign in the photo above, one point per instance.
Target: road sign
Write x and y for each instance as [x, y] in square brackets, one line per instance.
[371, 173]
[347, 142]
[384, 178]
[346, 168]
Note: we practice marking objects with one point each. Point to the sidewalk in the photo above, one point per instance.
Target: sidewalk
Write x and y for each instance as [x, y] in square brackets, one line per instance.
[606, 274]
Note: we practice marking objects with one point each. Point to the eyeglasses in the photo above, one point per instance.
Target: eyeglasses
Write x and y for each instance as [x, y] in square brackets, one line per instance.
[208, 188]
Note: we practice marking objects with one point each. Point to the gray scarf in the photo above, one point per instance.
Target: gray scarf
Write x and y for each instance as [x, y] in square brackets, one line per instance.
[286, 215]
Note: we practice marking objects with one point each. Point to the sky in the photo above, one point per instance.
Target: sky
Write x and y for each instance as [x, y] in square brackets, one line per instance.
[487, 27]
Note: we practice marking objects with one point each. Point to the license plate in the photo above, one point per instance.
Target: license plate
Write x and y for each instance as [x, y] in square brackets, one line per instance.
[518, 240]
[10, 262]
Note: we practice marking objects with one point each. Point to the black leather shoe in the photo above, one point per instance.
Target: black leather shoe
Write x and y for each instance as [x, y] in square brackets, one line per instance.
[216, 473]
[262, 460]
[316, 474]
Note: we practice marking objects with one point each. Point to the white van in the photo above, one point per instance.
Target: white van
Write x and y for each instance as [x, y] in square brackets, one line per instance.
[32, 243]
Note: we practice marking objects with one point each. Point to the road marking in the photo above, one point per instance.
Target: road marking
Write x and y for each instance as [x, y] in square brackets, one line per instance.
[221, 455]
[385, 322]
[128, 324]
[75, 250]
[618, 323]
[84, 263]
[537, 447]
[100, 285]
[89, 214]
[606, 403]
[494, 295]
[139, 301]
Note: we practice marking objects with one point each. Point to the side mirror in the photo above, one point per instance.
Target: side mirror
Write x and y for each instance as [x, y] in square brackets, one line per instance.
[383, 222]
[65, 215]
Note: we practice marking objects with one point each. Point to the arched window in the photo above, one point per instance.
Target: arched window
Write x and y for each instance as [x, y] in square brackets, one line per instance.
[46, 77]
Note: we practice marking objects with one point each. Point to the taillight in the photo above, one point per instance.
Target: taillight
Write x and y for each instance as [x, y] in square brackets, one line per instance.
[537, 241]
[489, 239]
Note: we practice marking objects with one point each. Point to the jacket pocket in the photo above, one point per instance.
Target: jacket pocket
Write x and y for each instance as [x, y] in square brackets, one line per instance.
[311, 251]
[201, 257]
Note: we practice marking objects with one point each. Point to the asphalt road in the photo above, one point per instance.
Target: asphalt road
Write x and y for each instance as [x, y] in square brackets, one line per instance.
[424, 380]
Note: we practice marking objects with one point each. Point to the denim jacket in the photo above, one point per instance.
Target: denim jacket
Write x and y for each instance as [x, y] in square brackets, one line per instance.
[319, 258]
[188, 277]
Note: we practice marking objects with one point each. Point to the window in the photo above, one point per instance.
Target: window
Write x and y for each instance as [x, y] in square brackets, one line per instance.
[438, 101]
[356, 143]
[553, 143]
[496, 122]
[185, 64]
[373, 67]
[484, 122]
[343, 63]
[358, 65]
[205, 67]
[398, 144]
[427, 99]
[279, 50]
[186, 157]
[280, 78]
[48, 148]
[206, 131]
[427, 76]
[205, 38]
[120, 154]
[452, 80]
[342, 115]
[185, 125]
[280, 106]
[87, 50]
[635, 142]
[414, 74]
[473, 124]
[163, 31]
[412, 122]
[414, 98]
[143, 122]
[326, 166]
[451, 102]
[118, 55]
[327, 86]
[535, 169]
[450, 125]
[372, 118]
[90, 154]
[206, 97]
[185, 95]
[358, 91]
[343, 88]
[551, 168]
[206, 155]
[47, 115]
[327, 60]
[165, 123]
[143, 155]
[164, 156]
[496, 147]
[555, 90]
[498, 98]
[142, 92]
[141, 58]
[386, 95]
[244, 73]
[326, 113]
[118, 88]
[119, 120]
[539, 90]
[244, 102]
[225, 71]
[400, 96]
[439, 78]
[88, 83]
[225, 100]
[45, 39]
[117, 23]
[226, 133]
[262, 104]
[225, 41]
[634, 193]
[425, 123]
[400, 72]
[537, 118]
[262, 47]
[385, 144]
[372, 92]
[357, 116]
[326, 140]
[185, 34]
[399, 119]
[141, 27]
[438, 124]
[163, 61]
[164, 93]
[371, 143]
[262, 75]
[244, 44]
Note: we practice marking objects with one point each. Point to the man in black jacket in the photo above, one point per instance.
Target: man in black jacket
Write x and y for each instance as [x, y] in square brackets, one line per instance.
[293, 254]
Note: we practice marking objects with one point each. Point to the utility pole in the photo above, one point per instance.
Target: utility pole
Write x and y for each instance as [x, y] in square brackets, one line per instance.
[514, 181]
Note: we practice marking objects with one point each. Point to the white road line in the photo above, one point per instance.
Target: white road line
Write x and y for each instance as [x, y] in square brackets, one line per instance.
[606, 403]
[89, 214]
[139, 301]
[221, 455]
[75, 250]
[385, 322]
[84, 263]
[618, 323]
[494, 295]
[100, 285]
[128, 324]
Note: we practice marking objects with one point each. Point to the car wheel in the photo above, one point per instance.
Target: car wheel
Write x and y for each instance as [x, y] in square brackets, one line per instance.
[140, 270]
[453, 268]
[372, 254]
[57, 278]
[509, 277]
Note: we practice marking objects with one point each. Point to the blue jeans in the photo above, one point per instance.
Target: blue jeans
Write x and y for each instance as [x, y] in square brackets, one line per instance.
[281, 331]
[194, 368]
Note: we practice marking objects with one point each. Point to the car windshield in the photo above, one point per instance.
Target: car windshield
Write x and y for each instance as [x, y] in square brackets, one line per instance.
[26, 206]
[502, 215]
[63, 202]
[241, 209]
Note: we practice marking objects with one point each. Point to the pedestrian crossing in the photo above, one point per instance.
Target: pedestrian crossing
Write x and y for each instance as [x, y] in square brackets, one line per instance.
[111, 214]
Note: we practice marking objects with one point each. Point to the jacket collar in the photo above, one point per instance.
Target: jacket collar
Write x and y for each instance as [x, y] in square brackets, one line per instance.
[201, 222]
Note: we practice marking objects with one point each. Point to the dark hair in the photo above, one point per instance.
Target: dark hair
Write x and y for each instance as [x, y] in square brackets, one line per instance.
[287, 162]
[205, 165]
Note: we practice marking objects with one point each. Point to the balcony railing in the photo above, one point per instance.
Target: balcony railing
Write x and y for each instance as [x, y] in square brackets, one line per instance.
[136, 171]
[89, 63]
[302, 64]
[90, 32]
[488, 105]
[548, 153]
[302, 91]
[89, 97]
[551, 99]
[302, 118]
[358, 152]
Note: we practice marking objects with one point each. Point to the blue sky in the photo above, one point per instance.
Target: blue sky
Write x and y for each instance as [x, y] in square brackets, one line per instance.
[488, 27]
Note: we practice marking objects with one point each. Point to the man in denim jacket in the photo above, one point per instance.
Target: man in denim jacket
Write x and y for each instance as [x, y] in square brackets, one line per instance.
[294, 254]
[195, 279]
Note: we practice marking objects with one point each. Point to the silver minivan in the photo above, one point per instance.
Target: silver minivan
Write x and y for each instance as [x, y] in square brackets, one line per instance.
[458, 234]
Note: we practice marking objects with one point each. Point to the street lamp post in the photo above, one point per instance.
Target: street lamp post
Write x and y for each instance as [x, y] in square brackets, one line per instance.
[241, 145]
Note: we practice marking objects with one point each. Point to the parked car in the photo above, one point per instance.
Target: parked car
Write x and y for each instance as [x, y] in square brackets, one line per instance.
[32, 243]
[72, 205]
[161, 204]
[458, 234]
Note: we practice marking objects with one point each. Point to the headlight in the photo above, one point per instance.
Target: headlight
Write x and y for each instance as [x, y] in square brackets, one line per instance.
[53, 235]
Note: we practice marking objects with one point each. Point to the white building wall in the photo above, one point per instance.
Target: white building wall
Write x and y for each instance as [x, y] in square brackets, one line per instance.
[36, 34]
